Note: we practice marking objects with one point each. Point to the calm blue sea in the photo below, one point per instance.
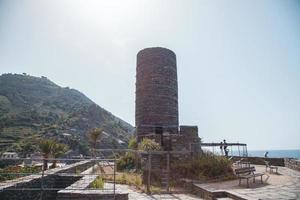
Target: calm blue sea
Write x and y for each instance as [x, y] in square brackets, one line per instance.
[276, 153]
[260, 153]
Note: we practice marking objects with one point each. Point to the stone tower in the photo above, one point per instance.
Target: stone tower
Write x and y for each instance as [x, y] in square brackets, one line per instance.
[156, 93]
[156, 111]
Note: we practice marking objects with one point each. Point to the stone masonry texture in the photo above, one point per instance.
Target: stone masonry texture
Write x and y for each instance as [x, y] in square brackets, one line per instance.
[156, 91]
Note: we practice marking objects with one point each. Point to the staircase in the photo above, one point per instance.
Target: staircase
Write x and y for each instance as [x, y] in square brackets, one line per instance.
[164, 178]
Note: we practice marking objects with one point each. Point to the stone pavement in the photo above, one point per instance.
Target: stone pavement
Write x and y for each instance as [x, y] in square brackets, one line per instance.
[135, 195]
[285, 185]
[163, 197]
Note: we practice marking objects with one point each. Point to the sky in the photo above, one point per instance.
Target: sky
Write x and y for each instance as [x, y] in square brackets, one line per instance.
[238, 61]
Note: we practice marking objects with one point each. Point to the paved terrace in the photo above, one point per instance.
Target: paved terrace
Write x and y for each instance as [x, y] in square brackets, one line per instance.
[134, 195]
[121, 189]
[284, 185]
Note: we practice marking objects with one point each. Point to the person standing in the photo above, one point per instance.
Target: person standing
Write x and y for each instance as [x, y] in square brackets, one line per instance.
[221, 148]
[266, 154]
[225, 148]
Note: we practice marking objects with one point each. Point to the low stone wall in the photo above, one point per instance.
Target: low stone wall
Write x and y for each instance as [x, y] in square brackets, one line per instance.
[209, 195]
[6, 162]
[292, 163]
[91, 196]
[260, 160]
[77, 167]
[80, 190]
[30, 187]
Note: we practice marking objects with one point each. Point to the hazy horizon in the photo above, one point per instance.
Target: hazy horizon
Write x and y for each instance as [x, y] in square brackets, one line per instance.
[238, 62]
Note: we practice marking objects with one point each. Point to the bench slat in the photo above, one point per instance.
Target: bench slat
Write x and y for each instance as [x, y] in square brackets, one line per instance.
[245, 170]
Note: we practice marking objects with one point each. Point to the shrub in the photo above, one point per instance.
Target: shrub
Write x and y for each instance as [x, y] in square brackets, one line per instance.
[126, 162]
[205, 167]
[149, 145]
[98, 183]
[13, 172]
[125, 178]
[155, 190]
[132, 144]
[138, 181]
[129, 179]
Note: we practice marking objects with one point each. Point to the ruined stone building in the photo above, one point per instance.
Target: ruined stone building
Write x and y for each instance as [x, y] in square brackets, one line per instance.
[156, 103]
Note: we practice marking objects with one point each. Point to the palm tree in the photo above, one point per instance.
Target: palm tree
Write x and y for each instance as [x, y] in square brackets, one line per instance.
[58, 149]
[46, 148]
[93, 136]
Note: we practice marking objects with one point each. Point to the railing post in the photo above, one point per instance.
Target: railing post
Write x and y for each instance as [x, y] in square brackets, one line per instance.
[114, 178]
[136, 160]
[168, 171]
[42, 181]
[149, 173]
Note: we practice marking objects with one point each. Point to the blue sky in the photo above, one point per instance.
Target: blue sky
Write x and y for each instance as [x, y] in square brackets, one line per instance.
[238, 61]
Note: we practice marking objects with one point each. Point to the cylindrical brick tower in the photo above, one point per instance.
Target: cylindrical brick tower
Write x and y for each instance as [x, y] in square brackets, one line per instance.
[156, 103]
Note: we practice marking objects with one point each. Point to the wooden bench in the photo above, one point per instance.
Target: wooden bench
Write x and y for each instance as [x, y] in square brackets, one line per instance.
[248, 173]
[242, 164]
[271, 167]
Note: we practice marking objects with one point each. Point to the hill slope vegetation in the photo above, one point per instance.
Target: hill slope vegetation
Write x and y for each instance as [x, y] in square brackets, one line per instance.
[32, 108]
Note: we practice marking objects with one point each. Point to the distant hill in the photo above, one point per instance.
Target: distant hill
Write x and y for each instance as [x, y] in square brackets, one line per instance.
[32, 108]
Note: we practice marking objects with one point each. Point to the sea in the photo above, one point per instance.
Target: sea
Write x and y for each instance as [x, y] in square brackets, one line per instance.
[260, 153]
[276, 153]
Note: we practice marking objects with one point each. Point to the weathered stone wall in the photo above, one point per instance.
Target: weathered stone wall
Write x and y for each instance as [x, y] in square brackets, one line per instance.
[159, 166]
[187, 140]
[80, 190]
[32, 189]
[292, 163]
[91, 196]
[29, 187]
[77, 167]
[261, 160]
[156, 90]
[210, 195]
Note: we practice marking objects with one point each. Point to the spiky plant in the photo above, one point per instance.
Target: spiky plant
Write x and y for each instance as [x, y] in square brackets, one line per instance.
[58, 149]
[45, 147]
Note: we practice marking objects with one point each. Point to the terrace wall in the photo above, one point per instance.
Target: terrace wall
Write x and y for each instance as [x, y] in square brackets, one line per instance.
[33, 187]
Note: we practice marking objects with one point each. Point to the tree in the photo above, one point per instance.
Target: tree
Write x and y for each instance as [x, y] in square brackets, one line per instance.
[93, 136]
[58, 149]
[51, 148]
[46, 149]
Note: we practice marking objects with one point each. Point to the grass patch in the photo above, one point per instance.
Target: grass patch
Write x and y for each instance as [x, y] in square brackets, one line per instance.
[98, 183]
[133, 179]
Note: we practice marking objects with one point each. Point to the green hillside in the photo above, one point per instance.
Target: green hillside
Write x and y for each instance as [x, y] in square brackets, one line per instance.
[32, 108]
